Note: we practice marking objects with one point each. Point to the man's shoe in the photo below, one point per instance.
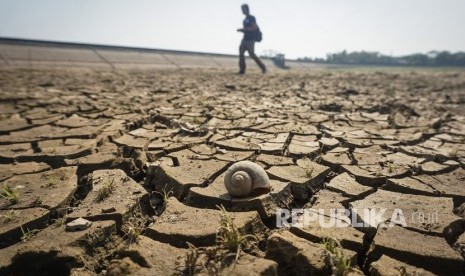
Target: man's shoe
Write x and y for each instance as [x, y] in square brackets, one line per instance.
[240, 73]
[264, 70]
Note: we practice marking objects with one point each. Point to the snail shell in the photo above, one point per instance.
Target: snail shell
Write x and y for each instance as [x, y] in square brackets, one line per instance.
[244, 177]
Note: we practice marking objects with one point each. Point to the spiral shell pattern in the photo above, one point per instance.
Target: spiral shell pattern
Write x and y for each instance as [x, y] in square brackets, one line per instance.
[243, 177]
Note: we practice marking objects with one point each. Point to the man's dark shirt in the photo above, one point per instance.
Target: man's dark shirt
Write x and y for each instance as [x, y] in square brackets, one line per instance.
[248, 21]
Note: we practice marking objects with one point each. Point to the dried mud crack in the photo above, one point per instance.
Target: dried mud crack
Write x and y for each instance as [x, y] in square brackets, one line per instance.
[142, 155]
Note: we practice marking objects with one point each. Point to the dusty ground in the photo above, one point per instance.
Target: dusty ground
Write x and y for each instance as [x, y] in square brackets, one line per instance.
[143, 154]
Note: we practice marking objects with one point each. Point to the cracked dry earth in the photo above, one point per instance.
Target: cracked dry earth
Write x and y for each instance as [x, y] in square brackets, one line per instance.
[143, 154]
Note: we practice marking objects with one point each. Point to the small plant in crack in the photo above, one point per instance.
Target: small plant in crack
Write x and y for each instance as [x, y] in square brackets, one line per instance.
[9, 216]
[37, 202]
[230, 238]
[132, 231]
[106, 190]
[10, 194]
[203, 260]
[165, 194]
[190, 262]
[61, 216]
[58, 222]
[91, 241]
[330, 245]
[134, 226]
[230, 243]
[339, 263]
[28, 234]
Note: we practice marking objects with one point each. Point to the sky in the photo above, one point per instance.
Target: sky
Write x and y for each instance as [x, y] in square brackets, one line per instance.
[297, 28]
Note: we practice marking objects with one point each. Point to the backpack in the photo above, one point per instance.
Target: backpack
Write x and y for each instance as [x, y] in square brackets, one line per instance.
[258, 35]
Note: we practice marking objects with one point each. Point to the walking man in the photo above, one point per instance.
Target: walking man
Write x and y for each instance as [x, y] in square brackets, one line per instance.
[251, 34]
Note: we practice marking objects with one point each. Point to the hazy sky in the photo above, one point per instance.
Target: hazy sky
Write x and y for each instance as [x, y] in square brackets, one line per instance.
[295, 27]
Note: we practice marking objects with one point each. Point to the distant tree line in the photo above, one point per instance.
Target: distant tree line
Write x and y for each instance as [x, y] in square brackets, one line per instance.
[433, 58]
